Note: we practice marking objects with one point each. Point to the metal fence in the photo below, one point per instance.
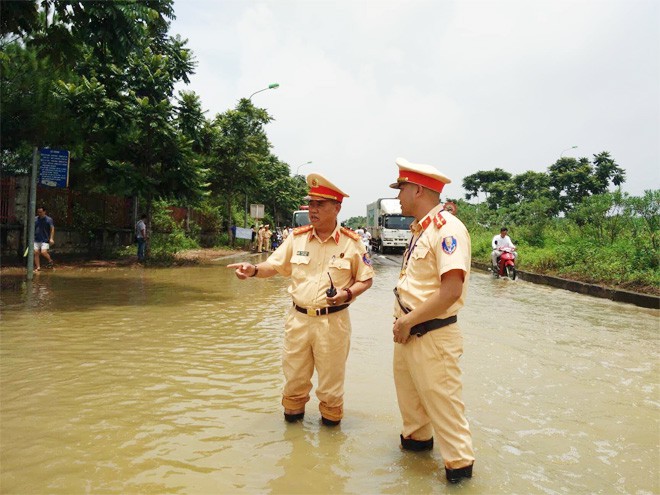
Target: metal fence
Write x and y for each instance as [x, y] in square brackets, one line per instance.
[72, 208]
[8, 200]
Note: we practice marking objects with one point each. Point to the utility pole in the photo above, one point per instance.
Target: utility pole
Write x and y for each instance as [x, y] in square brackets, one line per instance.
[32, 207]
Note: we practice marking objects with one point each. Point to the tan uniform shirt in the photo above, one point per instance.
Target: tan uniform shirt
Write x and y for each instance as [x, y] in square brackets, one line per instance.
[440, 243]
[307, 260]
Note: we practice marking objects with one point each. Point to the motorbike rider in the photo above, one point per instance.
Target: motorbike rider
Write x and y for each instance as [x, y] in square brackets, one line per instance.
[501, 241]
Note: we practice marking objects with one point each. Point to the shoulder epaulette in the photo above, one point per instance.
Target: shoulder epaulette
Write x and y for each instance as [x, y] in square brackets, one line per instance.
[303, 229]
[351, 234]
[439, 220]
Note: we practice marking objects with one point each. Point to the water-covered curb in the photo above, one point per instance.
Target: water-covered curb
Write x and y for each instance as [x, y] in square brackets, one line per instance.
[624, 296]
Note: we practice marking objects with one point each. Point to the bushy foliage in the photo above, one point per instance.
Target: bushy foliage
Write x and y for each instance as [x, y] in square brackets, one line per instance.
[356, 222]
[98, 79]
[609, 238]
[167, 236]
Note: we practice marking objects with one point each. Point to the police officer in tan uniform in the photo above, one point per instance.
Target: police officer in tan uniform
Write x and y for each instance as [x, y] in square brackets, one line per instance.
[430, 292]
[317, 257]
[260, 238]
[267, 235]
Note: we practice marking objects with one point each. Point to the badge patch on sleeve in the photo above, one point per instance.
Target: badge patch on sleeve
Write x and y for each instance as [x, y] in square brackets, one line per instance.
[449, 244]
[366, 259]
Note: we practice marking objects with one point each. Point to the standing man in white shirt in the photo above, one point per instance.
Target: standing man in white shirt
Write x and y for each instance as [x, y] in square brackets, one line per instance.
[500, 241]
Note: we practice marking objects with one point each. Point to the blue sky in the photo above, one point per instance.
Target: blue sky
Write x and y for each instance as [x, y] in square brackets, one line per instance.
[462, 86]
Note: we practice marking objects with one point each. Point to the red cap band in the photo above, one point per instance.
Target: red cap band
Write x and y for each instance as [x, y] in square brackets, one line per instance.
[326, 192]
[422, 180]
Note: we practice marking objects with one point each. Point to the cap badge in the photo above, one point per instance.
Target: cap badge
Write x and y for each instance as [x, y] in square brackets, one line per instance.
[315, 182]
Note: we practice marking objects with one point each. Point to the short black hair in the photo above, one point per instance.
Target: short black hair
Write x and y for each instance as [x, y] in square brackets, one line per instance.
[504, 229]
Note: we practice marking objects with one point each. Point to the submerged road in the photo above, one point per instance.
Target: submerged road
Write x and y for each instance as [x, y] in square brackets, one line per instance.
[169, 381]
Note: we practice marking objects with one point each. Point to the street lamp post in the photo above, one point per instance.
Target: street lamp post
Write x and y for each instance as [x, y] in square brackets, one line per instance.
[302, 165]
[270, 86]
[561, 155]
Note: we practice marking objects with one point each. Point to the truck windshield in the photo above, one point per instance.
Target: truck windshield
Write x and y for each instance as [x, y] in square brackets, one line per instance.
[300, 218]
[398, 222]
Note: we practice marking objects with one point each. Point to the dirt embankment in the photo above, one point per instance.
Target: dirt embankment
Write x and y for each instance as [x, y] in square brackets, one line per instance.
[70, 262]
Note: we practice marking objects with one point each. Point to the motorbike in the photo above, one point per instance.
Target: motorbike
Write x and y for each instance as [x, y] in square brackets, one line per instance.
[506, 264]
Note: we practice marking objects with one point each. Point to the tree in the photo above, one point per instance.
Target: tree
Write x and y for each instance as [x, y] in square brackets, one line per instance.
[601, 216]
[571, 180]
[18, 18]
[130, 139]
[606, 171]
[31, 115]
[190, 120]
[356, 222]
[482, 181]
[281, 193]
[647, 207]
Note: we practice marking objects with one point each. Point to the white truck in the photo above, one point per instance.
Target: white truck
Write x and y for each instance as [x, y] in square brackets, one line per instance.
[300, 217]
[389, 229]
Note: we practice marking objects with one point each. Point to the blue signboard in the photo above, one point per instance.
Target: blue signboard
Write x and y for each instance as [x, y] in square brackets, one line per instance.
[54, 168]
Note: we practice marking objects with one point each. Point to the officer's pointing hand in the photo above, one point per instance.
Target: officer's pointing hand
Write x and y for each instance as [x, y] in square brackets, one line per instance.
[243, 270]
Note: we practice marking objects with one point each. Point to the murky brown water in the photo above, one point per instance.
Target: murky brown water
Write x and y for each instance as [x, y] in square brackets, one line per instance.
[168, 381]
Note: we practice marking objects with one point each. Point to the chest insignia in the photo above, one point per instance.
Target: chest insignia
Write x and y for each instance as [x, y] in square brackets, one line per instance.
[302, 253]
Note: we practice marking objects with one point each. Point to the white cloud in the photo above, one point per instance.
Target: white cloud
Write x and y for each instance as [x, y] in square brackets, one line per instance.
[465, 85]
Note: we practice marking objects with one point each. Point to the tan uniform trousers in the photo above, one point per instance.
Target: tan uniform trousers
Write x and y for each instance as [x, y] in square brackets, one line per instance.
[320, 342]
[429, 390]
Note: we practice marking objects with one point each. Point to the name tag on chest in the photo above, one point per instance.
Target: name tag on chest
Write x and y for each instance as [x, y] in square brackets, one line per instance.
[302, 253]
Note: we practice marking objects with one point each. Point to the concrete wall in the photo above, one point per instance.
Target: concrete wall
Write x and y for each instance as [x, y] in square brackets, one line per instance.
[642, 300]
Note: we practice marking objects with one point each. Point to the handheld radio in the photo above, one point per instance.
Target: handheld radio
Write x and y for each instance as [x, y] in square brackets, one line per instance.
[332, 291]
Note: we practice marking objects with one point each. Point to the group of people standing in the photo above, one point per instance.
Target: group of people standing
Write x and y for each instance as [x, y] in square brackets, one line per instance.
[263, 235]
[329, 268]
[268, 240]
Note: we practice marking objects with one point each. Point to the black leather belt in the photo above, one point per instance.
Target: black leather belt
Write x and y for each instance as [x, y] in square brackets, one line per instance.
[320, 311]
[426, 326]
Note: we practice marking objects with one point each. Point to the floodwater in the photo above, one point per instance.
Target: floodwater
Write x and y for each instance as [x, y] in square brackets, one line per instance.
[167, 381]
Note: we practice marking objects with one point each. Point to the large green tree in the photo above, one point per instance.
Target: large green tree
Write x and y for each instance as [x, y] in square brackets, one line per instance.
[239, 147]
[483, 181]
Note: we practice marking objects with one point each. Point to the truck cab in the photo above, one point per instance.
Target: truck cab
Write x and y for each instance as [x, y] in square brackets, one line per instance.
[389, 229]
[300, 217]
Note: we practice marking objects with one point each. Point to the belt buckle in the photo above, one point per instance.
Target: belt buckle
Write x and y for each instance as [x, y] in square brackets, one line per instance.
[311, 312]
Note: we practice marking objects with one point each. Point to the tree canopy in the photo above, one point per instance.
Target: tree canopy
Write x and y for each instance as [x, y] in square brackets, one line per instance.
[565, 185]
[98, 78]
